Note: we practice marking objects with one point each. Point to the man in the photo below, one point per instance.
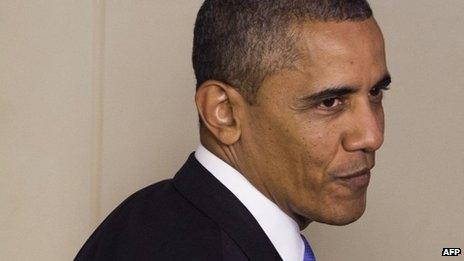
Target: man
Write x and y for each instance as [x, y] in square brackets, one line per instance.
[289, 94]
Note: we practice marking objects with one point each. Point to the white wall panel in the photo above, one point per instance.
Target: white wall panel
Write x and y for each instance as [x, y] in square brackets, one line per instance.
[149, 125]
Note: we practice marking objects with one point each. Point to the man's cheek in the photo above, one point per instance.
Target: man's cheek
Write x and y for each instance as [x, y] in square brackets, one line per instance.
[324, 147]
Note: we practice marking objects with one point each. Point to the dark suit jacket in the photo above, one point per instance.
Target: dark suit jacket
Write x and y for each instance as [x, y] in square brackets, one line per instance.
[190, 217]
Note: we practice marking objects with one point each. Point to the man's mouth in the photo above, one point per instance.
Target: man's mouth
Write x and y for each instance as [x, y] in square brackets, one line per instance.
[356, 181]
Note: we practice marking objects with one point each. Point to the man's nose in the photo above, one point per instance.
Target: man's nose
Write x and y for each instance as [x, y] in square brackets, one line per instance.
[366, 129]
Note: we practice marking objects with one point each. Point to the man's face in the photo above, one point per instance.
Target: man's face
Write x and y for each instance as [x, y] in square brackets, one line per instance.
[311, 139]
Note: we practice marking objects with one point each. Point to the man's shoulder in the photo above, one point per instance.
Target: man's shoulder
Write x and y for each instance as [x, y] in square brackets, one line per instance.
[154, 223]
[162, 204]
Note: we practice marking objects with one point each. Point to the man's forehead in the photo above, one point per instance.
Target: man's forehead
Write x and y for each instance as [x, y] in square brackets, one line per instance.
[335, 54]
[338, 38]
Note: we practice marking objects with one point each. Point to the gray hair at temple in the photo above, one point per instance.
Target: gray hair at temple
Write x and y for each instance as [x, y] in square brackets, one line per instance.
[240, 42]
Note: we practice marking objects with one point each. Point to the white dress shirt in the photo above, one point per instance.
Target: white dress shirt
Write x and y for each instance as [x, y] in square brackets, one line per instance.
[282, 230]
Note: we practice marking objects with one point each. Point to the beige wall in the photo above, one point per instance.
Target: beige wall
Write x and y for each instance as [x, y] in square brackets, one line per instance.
[416, 199]
[47, 128]
[96, 101]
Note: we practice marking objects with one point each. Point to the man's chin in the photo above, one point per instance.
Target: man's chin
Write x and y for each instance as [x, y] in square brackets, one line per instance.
[343, 217]
[341, 221]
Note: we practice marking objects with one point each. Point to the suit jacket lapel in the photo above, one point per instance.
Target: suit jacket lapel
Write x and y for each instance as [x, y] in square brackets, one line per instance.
[209, 195]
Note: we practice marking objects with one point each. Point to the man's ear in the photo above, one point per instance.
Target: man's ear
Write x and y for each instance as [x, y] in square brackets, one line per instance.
[218, 105]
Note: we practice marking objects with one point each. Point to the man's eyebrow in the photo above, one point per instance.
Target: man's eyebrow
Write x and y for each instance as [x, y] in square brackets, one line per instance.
[383, 84]
[338, 91]
[328, 93]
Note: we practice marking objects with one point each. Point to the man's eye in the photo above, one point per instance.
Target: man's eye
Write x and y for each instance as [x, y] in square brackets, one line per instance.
[330, 103]
[378, 91]
[375, 92]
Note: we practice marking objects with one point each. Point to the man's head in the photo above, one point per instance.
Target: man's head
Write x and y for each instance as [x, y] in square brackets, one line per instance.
[289, 93]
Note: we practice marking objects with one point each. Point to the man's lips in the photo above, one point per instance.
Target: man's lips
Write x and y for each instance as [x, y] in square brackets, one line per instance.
[357, 180]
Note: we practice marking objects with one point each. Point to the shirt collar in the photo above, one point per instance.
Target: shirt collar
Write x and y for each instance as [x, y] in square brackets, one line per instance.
[281, 229]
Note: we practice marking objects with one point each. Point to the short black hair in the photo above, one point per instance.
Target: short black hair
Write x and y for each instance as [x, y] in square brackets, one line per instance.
[240, 42]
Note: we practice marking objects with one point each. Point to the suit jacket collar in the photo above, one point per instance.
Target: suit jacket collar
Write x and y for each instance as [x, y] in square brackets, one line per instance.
[201, 188]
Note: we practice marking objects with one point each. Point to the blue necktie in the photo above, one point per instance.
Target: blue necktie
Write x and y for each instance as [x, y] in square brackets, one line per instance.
[308, 253]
